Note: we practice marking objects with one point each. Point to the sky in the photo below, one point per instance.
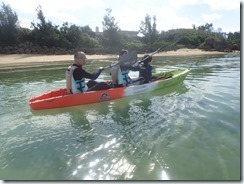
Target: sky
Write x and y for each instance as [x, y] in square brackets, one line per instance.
[170, 14]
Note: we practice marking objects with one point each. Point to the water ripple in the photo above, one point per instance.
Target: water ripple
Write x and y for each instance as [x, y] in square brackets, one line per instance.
[190, 131]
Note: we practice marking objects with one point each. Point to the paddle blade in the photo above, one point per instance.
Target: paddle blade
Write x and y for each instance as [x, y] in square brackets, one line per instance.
[128, 59]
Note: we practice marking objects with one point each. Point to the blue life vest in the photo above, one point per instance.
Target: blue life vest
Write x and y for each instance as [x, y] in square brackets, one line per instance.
[77, 86]
[120, 77]
[80, 84]
[125, 77]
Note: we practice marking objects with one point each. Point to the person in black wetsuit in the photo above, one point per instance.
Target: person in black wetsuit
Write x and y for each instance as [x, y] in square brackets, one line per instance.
[76, 75]
[146, 69]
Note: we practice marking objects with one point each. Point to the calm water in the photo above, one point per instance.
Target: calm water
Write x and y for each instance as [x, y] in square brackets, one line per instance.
[187, 132]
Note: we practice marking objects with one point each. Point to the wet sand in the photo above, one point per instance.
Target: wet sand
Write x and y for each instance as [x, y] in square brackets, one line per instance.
[35, 59]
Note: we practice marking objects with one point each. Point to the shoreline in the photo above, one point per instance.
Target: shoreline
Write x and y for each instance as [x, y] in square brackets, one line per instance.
[33, 59]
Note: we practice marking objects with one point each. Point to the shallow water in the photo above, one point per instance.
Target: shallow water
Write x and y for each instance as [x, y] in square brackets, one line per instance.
[190, 131]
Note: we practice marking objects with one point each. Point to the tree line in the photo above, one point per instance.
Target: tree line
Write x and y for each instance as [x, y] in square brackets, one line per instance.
[47, 38]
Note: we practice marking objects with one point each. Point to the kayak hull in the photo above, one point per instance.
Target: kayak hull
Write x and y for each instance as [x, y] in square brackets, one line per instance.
[59, 98]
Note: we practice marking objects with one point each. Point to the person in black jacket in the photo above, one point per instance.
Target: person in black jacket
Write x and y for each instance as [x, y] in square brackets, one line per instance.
[146, 69]
[76, 76]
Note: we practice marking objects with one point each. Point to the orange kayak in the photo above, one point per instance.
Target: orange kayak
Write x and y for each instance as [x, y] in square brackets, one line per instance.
[59, 98]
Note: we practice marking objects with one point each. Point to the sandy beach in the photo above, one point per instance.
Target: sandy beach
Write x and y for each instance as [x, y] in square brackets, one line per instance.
[14, 59]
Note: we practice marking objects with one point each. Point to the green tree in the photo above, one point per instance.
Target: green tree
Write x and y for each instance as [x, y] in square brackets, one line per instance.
[88, 30]
[78, 37]
[234, 39]
[109, 21]
[149, 30]
[8, 26]
[72, 33]
[45, 33]
[215, 43]
[206, 27]
[111, 38]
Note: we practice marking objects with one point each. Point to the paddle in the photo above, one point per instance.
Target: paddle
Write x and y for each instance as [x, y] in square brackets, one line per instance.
[130, 58]
[156, 51]
[126, 60]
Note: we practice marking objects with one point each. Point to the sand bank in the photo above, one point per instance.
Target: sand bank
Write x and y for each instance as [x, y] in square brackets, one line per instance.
[31, 58]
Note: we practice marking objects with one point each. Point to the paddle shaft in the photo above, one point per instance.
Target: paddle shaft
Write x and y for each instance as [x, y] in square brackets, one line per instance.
[110, 66]
[156, 51]
[131, 57]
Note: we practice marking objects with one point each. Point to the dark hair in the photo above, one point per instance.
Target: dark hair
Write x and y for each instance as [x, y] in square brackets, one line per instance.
[146, 59]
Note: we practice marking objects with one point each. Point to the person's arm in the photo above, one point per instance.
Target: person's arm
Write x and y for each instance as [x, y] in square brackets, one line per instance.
[134, 68]
[79, 73]
[92, 76]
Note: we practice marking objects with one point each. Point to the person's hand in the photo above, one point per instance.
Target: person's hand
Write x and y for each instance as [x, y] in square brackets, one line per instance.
[101, 68]
[136, 64]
